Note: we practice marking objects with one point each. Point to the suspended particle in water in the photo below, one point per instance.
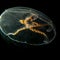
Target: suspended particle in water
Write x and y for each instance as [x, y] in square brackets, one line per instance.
[26, 25]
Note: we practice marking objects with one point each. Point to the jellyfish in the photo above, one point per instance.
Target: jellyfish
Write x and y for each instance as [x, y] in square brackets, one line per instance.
[27, 25]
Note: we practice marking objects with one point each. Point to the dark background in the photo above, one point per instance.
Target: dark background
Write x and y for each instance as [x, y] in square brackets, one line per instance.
[47, 6]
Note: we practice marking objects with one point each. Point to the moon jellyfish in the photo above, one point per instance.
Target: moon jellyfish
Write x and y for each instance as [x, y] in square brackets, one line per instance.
[26, 25]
